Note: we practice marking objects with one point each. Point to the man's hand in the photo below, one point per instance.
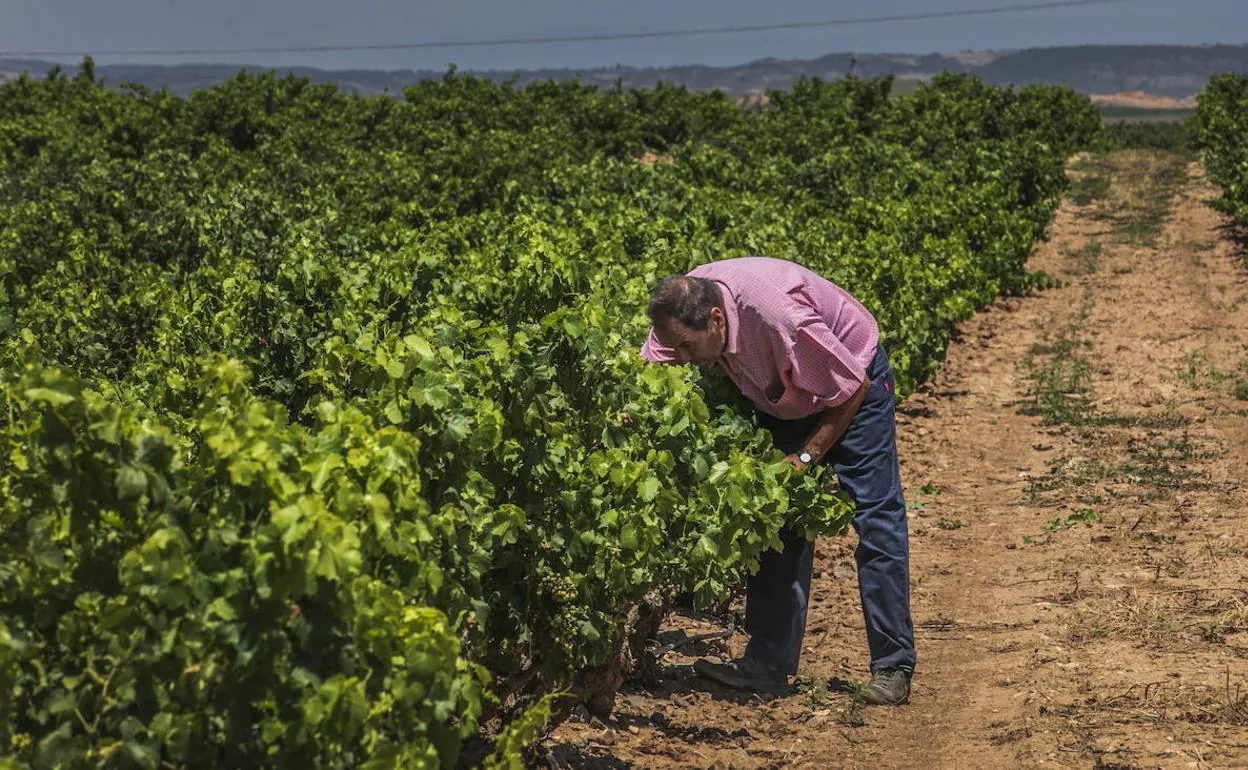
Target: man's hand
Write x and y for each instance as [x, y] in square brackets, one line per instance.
[797, 463]
[830, 481]
[831, 426]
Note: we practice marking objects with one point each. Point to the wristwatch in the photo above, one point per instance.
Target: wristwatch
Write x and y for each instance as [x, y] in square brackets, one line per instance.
[805, 457]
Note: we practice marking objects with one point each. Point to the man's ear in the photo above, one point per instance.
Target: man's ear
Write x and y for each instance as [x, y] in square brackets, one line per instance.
[717, 317]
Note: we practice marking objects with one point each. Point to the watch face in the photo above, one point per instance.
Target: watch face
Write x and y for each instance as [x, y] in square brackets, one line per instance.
[805, 457]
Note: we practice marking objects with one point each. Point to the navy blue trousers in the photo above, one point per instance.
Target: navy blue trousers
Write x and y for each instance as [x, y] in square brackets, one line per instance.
[865, 462]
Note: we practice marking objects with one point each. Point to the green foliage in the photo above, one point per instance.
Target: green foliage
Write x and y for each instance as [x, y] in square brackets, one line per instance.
[1086, 516]
[324, 416]
[1221, 128]
[1167, 135]
[205, 600]
[520, 734]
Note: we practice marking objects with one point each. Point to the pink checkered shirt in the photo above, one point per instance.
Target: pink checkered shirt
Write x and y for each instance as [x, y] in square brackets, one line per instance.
[797, 343]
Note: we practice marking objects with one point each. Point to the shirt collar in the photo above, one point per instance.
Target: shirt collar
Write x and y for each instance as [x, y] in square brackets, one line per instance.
[730, 314]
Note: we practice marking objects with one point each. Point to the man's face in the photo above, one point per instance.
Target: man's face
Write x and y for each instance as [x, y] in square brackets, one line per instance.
[702, 347]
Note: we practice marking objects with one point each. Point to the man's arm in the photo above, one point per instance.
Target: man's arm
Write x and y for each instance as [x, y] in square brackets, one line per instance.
[831, 426]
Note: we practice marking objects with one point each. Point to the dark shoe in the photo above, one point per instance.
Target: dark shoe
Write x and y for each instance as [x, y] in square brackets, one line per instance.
[743, 674]
[888, 687]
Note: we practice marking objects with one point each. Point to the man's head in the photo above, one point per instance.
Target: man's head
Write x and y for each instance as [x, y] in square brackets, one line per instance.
[688, 316]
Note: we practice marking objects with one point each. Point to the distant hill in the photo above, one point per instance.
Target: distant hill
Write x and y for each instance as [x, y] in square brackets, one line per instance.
[1178, 72]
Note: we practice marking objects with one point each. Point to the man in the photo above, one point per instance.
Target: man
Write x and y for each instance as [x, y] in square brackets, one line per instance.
[807, 354]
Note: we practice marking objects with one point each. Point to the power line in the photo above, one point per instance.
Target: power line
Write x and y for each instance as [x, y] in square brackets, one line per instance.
[918, 16]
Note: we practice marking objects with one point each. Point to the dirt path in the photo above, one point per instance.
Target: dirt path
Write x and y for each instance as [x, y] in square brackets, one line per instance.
[1079, 536]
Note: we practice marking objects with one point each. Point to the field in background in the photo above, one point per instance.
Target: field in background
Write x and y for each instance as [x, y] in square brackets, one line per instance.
[1145, 115]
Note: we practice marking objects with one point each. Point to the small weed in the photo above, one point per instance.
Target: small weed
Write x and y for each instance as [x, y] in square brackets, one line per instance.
[821, 692]
[1211, 632]
[1083, 261]
[1141, 229]
[1168, 421]
[1162, 465]
[1058, 390]
[1197, 372]
[1092, 182]
[1086, 516]
[1137, 203]
[1154, 468]
[817, 689]
[944, 523]
[1060, 385]
[853, 714]
[1239, 381]
[1039, 280]
[1065, 473]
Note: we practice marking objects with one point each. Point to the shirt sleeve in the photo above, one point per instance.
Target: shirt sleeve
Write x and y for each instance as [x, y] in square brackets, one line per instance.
[655, 352]
[822, 366]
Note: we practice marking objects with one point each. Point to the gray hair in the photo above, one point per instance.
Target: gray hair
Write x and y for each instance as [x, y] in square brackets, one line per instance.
[684, 298]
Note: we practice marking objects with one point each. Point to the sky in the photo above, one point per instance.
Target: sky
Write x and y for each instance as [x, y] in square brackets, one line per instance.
[80, 27]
